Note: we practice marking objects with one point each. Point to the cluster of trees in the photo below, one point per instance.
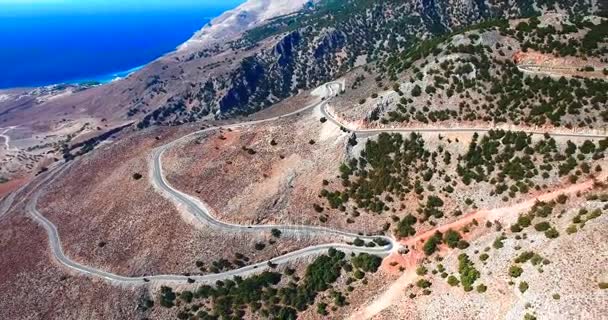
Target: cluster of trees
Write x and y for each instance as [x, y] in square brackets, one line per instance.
[386, 165]
[431, 244]
[394, 166]
[531, 256]
[405, 227]
[451, 238]
[548, 39]
[499, 92]
[220, 265]
[366, 262]
[271, 295]
[539, 210]
[468, 273]
[582, 217]
[508, 160]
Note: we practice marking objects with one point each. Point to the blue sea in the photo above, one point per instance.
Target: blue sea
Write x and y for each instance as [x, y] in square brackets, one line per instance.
[42, 48]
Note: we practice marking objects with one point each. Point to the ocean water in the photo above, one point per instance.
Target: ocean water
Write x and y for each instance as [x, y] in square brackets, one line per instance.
[70, 47]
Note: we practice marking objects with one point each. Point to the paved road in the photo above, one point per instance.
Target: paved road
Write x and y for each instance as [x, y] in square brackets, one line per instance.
[199, 210]
[364, 133]
[547, 70]
[202, 213]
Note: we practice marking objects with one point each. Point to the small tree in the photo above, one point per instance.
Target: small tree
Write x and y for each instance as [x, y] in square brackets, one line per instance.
[276, 233]
[453, 281]
[552, 233]
[430, 246]
[423, 283]
[322, 308]
[416, 91]
[515, 271]
[421, 270]
[451, 238]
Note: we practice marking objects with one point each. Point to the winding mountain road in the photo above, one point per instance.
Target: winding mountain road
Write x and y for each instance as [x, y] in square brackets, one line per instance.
[202, 213]
[7, 138]
[363, 133]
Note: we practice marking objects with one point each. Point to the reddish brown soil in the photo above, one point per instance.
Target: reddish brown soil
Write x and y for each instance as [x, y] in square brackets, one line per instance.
[34, 287]
[415, 256]
[109, 220]
[12, 185]
[276, 184]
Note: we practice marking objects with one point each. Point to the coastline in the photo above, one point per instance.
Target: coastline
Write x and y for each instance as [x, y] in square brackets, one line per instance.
[107, 78]
[113, 74]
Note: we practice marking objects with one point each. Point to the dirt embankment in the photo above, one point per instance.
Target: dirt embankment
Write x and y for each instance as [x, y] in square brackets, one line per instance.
[505, 215]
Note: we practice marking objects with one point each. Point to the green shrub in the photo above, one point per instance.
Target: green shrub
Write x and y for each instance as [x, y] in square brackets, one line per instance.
[468, 273]
[451, 238]
[430, 246]
[542, 226]
[515, 271]
[523, 286]
[423, 283]
[498, 242]
[405, 227]
[421, 270]
[552, 233]
[453, 281]
[416, 91]
[366, 262]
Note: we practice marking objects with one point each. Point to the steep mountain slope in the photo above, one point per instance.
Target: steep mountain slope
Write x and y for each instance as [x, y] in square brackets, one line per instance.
[228, 69]
[535, 73]
[272, 61]
[233, 23]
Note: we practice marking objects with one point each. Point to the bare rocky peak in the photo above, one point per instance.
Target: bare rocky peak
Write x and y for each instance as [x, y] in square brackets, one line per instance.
[234, 22]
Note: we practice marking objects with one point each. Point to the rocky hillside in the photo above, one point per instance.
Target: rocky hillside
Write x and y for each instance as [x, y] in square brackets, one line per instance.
[275, 59]
[280, 53]
[545, 72]
[327, 39]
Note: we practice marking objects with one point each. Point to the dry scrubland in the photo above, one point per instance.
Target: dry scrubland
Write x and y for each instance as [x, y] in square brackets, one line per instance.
[109, 219]
[567, 286]
[492, 77]
[263, 174]
[28, 274]
[266, 178]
